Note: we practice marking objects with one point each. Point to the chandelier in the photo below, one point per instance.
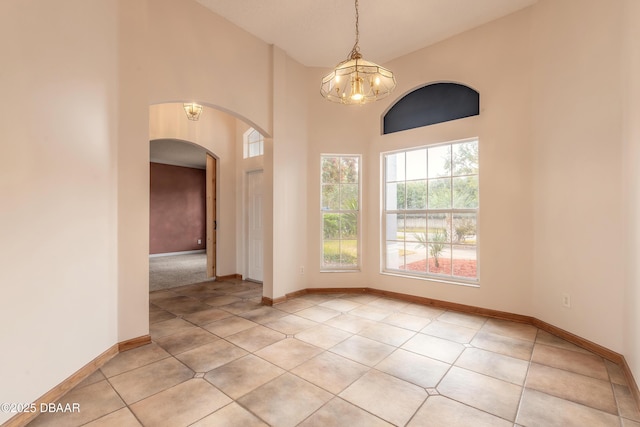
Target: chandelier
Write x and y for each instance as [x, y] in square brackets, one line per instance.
[193, 110]
[356, 81]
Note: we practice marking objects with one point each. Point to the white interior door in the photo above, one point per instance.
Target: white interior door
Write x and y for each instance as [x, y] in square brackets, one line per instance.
[254, 226]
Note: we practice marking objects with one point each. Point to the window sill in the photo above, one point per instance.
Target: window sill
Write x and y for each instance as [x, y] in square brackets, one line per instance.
[469, 284]
[337, 270]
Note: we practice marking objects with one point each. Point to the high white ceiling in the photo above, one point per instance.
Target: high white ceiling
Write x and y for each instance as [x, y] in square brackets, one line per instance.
[320, 33]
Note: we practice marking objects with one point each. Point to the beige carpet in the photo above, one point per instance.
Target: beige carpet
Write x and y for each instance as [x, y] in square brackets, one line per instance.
[177, 270]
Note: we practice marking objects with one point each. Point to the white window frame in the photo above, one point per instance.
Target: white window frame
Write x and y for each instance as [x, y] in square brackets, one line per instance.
[347, 268]
[247, 143]
[446, 278]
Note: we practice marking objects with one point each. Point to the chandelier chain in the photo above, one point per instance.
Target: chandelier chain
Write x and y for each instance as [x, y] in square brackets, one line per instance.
[355, 51]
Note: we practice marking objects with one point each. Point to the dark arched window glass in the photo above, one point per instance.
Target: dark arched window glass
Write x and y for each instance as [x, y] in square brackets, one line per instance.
[431, 104]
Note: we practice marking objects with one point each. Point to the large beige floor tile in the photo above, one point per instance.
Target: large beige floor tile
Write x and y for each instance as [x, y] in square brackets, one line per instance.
[330, 371]
[616, 374]
[388, 304]
[546, 338]
[180, 405]
[120, 418]
[414, 368]
[255, 338]
[232, 415]
[95, 377]
[150, 379]
[289, 353]
[387, 334]
[494, 365]
[243, 375]
[339, 413]
[291, 324]
[463, 319]
[168, 327]
[294, 305]
[363, 350]
[349, 323]
[506, 328]
[540, 409]
[94, 401]
[439, 411]
[185, 340]
[220, 300]
[422, 311]
[434, 347]
[339, 304]
[513, 347]
[318, 314]
[263, 314]
[182, 305]
[241, 306]
[407, 321]
[206, 316]
[569, 360]
[210, 356]
[627, 405]
[449, 331]
[488, 394]
[571, 386]
[229, 326]
[285, 401]
[323, 336]
[160, 316]
[385, 396]
[371, 312]
[133, 359]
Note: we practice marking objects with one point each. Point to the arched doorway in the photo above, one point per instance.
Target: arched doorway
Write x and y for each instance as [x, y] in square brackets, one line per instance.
[217, 132]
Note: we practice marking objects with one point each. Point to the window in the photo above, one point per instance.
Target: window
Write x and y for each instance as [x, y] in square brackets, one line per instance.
[340, 212]
[431, 104]
[431, 211]
[253, 143]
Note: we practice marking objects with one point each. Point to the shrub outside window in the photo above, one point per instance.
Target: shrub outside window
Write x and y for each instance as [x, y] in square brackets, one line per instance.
[431, 205]
[340, 212]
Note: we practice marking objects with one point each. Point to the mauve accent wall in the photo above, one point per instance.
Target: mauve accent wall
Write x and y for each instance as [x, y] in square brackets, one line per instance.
[177, 209]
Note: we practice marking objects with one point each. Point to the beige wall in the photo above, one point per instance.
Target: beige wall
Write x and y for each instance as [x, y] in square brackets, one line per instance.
[579, 232]
[289, 151]
[58, 183]
[495, 61]
[197, 55]
[133, 171]
[631, 180]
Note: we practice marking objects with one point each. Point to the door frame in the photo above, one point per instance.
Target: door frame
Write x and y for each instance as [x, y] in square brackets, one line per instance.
[211, 219]
[248, 226]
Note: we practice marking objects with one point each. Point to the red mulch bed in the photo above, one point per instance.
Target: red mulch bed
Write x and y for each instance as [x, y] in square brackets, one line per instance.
[461, 267]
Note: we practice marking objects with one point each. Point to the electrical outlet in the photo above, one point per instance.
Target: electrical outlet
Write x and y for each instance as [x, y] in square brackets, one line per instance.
[199, 241]
[301, 269]
[566, 300]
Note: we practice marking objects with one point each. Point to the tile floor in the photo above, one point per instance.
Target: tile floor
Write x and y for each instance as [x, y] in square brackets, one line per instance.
[219, 358]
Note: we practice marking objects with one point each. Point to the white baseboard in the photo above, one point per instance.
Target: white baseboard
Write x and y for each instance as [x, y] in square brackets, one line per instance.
[197, 251]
